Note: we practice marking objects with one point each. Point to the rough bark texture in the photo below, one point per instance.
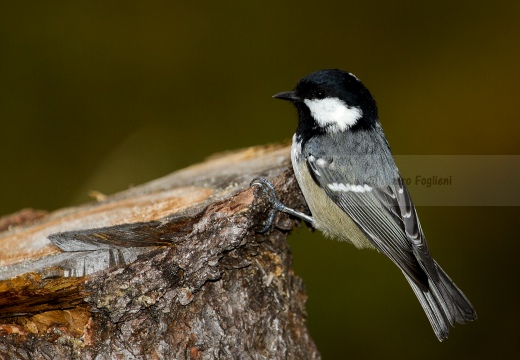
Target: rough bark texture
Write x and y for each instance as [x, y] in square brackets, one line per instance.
[202, 284]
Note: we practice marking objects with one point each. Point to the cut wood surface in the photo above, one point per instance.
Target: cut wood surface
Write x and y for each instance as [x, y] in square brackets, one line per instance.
[171, 269]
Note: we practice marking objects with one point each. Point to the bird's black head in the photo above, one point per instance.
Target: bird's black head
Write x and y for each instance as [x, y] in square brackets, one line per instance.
[332, 100]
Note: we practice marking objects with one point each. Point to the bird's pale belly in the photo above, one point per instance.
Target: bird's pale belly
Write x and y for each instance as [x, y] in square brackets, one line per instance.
[330, 219]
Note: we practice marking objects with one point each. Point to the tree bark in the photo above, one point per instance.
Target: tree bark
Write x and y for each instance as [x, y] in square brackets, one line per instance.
[172, 269]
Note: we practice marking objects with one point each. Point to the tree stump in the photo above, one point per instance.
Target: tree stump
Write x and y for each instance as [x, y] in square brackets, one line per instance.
[172, 269]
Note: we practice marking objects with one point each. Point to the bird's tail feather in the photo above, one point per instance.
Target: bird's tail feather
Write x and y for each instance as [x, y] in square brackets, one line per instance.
[443, 303]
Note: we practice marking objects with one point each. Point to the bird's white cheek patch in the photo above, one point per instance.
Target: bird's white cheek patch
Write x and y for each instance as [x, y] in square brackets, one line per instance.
[339, 187]
[333, 112]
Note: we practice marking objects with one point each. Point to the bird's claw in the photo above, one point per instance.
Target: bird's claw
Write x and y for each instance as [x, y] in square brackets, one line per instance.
[276, 205]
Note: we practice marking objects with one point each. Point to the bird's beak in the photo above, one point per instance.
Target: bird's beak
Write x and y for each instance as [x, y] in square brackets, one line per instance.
[288, 96]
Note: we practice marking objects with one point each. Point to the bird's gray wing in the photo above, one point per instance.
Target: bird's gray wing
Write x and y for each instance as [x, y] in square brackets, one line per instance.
[385, 214]
[384, 211]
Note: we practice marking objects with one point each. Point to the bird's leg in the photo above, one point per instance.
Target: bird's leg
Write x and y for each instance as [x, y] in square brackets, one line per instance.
[268, 188]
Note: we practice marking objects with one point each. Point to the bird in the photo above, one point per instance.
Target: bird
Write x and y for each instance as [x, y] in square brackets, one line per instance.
[347, 174]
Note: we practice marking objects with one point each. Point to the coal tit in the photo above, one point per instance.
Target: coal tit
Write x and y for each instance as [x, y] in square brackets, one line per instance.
[346, 172]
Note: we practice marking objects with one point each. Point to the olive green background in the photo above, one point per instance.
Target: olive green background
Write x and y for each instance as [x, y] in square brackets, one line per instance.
[103, 95]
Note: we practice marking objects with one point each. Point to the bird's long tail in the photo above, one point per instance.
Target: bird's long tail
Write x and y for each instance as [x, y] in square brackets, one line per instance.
[443, 303]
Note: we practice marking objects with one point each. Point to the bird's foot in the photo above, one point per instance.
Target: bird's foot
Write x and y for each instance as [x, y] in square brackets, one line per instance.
[276, 205]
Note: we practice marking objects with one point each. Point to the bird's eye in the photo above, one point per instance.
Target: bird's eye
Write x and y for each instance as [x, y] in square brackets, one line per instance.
[320, 94]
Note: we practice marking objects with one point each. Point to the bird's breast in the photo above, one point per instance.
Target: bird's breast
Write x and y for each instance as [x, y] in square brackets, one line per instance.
[329, 217]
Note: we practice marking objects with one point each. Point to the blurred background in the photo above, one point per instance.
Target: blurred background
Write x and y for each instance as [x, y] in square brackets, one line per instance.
[102, 96]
